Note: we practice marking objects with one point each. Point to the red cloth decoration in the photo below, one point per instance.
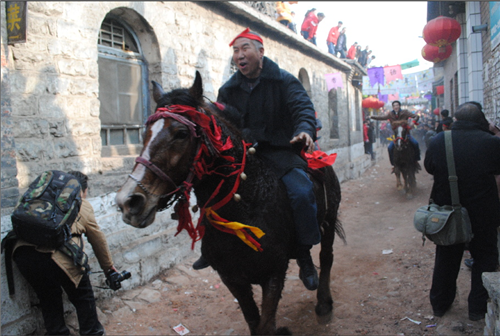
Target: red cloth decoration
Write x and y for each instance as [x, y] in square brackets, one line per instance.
[247, 34]
[441, 31]
[319, 159]
[440, 89]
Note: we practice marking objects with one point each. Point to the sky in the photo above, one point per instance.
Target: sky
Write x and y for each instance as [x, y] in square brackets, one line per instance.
[392, 30]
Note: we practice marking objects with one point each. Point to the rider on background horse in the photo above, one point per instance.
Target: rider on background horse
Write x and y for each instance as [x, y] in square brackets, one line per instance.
[395, 115]
[276, 113]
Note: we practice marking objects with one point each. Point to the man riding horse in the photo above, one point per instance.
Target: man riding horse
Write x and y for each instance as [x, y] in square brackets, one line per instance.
[276, 113]
[395, 115]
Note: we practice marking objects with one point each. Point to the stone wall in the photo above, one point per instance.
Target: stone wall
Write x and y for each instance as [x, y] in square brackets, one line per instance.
[51, 106]
[491, 70]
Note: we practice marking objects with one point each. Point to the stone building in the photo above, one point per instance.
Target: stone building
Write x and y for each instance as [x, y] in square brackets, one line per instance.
[75, 96]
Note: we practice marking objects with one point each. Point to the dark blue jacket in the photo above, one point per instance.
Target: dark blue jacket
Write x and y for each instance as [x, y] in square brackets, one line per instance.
[477, 160]
[272, 113]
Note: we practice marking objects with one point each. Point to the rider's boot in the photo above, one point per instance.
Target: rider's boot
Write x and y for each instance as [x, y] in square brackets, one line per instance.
[201, 263]
[308, 273]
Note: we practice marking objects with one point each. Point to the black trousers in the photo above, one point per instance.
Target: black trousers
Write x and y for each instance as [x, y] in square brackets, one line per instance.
[47, 278]
[483, 249]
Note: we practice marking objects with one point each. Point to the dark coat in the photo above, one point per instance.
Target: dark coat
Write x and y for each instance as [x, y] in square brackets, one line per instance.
[477, 160]
[341, 43]
[272, 113]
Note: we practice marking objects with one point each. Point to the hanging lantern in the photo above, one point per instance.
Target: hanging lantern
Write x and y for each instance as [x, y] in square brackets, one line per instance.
[436, 54]
[441, 31]
[436, 111]
[370, 102]
[380, 104]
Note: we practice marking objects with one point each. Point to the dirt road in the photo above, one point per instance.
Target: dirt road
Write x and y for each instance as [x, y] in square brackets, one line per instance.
[380, 280]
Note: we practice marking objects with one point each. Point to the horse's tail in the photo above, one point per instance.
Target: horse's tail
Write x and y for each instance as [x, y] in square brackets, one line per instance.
[334, 197]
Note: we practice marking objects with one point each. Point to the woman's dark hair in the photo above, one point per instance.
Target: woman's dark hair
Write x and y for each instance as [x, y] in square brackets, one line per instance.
[445, 113]
[81, 177]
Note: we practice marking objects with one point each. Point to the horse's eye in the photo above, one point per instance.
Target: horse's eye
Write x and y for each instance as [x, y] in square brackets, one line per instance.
[181, 135]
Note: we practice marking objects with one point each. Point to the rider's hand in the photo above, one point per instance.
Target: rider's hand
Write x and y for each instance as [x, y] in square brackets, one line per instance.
[306, 139]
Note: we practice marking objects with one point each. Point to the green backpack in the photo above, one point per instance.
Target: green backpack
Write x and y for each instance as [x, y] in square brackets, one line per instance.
[44, 217]
[47, 210]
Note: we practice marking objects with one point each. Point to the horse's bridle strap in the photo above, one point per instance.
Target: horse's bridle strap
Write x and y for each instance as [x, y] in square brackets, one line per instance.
[154, 169]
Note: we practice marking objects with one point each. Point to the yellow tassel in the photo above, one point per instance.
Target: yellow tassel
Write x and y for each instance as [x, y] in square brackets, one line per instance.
[236, 227]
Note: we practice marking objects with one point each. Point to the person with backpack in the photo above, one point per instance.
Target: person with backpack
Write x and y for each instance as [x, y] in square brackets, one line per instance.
[47, 269]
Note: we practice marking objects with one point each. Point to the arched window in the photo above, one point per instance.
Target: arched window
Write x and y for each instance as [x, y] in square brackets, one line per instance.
[122, 88]
[304, 79]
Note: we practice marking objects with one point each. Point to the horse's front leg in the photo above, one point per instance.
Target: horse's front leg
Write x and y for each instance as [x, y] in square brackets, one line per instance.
[271, 295]
[324, 307]
[397, 171]
[244, 294]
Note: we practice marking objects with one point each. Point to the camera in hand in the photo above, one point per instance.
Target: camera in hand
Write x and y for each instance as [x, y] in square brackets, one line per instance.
[114, 279]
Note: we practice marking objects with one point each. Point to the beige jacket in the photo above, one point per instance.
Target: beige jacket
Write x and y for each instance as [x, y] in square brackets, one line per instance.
[87, 224]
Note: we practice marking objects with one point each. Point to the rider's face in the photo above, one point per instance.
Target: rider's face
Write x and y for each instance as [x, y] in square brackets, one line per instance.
[247, 57]
[396, 107]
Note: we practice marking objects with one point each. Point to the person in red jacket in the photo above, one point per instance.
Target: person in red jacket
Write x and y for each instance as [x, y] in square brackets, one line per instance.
[310, 25]
[333, 35]
[351, 54]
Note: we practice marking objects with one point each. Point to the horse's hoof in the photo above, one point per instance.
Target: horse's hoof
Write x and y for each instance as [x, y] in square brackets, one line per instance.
[325, 318]
[402, 191]
[283, 331]
[409, 196]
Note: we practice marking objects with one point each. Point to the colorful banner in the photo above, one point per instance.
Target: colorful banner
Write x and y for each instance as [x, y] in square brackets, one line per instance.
[410, 64]
[334, 80]
[376, 75]
[392, 97]
[383, 97]
[392, 73]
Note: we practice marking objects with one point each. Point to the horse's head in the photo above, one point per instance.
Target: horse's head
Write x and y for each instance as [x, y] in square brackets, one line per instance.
[165, 168]
[401, 130]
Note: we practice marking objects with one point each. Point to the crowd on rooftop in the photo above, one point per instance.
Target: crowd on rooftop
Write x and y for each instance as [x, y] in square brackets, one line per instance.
[336, 40]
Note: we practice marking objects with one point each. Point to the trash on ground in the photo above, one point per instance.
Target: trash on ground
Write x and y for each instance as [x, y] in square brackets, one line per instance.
[181, 330]
[387, 251]
[430, 326]
[409, 319]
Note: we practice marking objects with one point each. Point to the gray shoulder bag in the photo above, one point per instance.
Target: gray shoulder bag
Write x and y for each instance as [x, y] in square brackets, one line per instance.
[448, 224]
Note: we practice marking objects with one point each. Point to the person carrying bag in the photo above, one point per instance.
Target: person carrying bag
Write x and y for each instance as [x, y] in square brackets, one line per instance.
[448, 224]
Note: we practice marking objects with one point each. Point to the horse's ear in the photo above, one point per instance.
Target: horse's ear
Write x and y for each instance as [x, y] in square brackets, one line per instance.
[157, 91]
[196, 90]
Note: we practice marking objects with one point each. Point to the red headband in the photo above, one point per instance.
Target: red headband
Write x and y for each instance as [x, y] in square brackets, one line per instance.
[249, 35]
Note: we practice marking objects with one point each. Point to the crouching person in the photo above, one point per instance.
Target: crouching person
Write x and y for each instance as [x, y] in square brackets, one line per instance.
[49, 271]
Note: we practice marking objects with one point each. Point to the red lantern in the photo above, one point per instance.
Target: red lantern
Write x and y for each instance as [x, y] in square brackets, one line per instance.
[436, 54]
[370, 102]
[436, 111]
[380, 104]
[441, 31]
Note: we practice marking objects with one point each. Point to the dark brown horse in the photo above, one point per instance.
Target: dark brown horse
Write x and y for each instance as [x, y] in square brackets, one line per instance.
[404, 158]
[246, 222]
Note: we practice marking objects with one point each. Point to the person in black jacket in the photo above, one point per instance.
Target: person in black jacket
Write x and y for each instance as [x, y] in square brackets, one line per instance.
[477, 160]
[276, 113]
[341, 46]
[447, 120]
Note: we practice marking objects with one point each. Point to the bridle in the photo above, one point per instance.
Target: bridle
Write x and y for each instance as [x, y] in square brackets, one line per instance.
[169, 112]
